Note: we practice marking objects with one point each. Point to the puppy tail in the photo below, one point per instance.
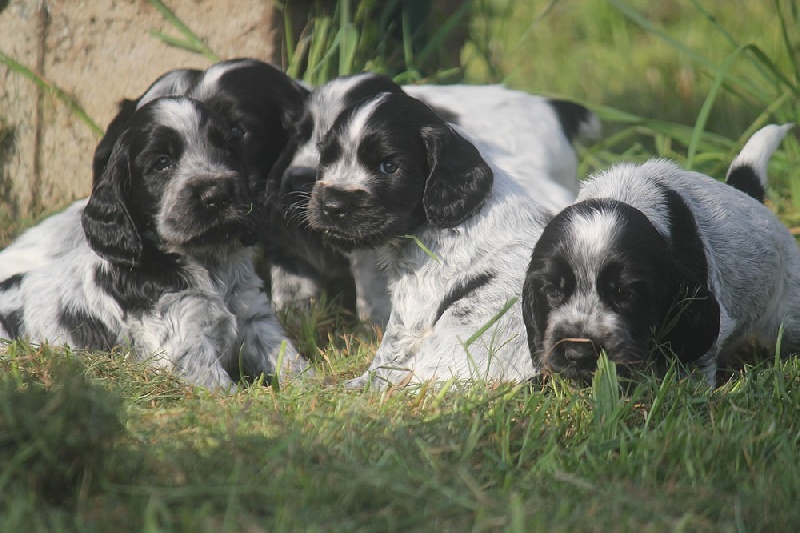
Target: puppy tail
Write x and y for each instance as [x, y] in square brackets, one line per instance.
[748, 172]
[577, 122]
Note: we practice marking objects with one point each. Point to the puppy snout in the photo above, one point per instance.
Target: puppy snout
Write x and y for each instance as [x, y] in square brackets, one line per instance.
[335, 203]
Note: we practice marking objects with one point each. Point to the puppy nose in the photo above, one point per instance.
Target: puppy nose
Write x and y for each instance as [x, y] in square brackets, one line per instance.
[335, 208]
[334, 203]
[215, 194]
[300, 179]
[582, 353]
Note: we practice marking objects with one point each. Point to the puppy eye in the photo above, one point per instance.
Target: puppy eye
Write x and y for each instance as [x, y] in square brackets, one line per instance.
[238, 131]
[552, 293]
[387, 167]
[622, 294]
[161, 164]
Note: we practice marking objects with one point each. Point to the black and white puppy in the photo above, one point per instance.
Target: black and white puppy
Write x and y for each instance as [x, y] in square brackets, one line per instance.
[654, 261]
[259, 100]
[393, 172]
[530, 136]
[154, 258]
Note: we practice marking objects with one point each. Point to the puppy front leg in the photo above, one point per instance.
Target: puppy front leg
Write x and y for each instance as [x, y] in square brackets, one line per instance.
[262, 338]
[394, 360]
[191, 336]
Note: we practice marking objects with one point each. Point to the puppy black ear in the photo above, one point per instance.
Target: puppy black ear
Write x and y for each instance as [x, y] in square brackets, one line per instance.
[459, 180]
[692, 323]
[529, 318]
[107, 223]
[115, 128]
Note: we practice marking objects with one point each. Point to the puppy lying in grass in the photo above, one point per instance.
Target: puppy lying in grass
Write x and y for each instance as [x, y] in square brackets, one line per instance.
[654, 262]
[154, 258]
[451, 229]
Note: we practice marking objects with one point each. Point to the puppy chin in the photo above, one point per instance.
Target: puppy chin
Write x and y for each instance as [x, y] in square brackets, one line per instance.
[235, 228]
[357, 231]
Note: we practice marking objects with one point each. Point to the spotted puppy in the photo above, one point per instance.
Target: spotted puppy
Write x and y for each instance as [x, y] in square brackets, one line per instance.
[155, 259]
[654, 261]
[260, 102]
[394, 174]
[529, 136]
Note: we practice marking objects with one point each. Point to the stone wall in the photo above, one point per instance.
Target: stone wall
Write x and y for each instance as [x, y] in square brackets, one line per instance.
[98, 52]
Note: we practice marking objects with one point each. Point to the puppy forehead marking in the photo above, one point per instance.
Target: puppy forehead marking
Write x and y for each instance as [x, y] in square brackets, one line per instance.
[172, 83]
[210, 80]
[355, 128]
[592, 233]
[180, 115]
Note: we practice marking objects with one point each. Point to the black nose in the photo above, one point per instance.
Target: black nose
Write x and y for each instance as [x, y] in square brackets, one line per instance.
[581, 352]
[215, 194]
[334, 203]
[299, 179]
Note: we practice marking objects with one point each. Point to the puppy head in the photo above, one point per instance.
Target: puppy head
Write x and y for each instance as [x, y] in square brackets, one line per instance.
[262, 102]
[173, 185]
[257, 98]
[390, 164]
[602, 278]
[297, 171]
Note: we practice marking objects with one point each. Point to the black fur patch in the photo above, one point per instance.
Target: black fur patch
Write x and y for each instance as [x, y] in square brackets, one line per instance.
[87, 331]
[137, 290]
[571, 116]
[12, 323]
[369, 87]
[685, 237]
[461, 291]
[444, 114]
[745, 178]
[11, 282]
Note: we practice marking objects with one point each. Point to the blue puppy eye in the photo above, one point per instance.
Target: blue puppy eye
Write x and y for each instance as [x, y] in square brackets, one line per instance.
[162, 163]
[387, 167]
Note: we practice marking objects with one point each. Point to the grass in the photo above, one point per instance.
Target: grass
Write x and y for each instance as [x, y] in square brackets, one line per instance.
[95, 441]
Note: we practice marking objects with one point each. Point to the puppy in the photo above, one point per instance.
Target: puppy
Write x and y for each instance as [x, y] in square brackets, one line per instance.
[654, 262]
[259, 100]
[154, 257]
[529, 136]
[393, 173]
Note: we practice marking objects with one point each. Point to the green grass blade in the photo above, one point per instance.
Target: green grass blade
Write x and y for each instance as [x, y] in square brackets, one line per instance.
[191, 41]
[436, 40]
[705, 110]
[18, 68]
[423, 247]
[491, 322]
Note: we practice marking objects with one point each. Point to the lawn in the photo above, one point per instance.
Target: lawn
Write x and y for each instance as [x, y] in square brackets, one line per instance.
[97, 442]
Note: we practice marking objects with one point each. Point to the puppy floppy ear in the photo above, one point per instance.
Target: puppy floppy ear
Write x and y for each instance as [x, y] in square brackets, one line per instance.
[459, 180]
[106, 220]
[692, 323]
[530, 303]
[115, 128]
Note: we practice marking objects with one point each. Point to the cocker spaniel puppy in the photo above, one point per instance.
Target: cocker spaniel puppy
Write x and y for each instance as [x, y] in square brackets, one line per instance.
[654, 261]
[154, 257]
[529, 136]
[259, 100]
[451, 229]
